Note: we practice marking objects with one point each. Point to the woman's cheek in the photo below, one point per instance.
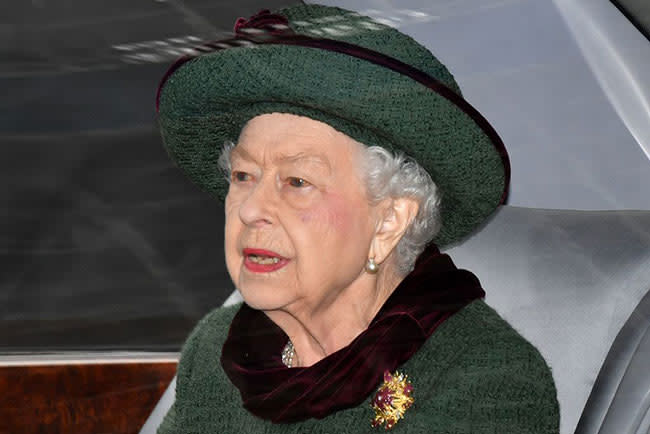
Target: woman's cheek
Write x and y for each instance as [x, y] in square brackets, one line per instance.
[233, 199]
[331, 215]
[336, 235]
[232, 230]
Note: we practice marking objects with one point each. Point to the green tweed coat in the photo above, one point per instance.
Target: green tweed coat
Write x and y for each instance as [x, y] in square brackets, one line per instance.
[475, 374]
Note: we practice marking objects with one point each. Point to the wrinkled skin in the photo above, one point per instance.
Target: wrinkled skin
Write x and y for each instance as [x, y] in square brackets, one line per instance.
[296, 190]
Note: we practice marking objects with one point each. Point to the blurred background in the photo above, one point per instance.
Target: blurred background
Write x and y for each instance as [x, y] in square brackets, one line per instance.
[104, 245]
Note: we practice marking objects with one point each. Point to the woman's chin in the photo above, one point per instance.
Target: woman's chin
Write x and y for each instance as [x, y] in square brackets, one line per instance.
[263, 297]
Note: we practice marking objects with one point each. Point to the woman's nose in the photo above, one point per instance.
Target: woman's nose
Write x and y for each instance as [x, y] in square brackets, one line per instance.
[257, 209]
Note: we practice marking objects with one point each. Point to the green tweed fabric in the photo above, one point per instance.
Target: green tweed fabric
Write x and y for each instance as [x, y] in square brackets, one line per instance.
[207, 101]
[475, 375]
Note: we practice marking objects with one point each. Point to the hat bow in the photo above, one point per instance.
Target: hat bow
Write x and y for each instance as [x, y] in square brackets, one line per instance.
[262, 22]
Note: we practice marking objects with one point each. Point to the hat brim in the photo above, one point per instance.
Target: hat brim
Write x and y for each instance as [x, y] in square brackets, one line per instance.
[208, 100]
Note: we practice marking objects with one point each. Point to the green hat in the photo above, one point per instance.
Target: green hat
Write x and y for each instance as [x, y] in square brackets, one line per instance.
[363, 78]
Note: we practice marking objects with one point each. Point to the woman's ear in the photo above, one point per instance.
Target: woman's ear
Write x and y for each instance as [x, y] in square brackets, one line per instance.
[397, 216]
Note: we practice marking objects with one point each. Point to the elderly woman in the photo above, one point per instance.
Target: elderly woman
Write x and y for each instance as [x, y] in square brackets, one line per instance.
[350, 155]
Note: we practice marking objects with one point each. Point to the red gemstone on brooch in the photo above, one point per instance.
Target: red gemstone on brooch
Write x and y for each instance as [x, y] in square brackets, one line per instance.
[392, 399]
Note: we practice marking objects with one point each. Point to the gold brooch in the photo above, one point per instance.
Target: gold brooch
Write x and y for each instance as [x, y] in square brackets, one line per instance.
[392, 399]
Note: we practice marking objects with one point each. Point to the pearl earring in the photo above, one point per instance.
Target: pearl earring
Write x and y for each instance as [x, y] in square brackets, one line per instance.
[371, 266]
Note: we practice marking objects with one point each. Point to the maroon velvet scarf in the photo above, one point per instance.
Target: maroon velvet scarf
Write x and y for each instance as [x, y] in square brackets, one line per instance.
[251, 355]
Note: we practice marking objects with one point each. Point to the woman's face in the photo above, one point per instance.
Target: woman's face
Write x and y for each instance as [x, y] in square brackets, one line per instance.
[298, 224]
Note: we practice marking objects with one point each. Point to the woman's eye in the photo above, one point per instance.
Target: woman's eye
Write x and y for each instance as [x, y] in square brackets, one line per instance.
[297, 182]
[238, 176]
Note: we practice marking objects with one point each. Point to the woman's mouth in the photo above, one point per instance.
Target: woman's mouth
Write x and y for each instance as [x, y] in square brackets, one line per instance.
[263, 261]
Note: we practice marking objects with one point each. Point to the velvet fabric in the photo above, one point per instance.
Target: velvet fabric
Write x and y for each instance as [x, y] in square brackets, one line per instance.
[251, 355]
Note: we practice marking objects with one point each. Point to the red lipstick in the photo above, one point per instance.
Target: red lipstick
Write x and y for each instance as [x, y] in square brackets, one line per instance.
[263, 261]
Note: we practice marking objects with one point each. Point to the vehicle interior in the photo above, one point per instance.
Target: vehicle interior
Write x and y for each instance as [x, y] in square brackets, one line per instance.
[111, 256]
